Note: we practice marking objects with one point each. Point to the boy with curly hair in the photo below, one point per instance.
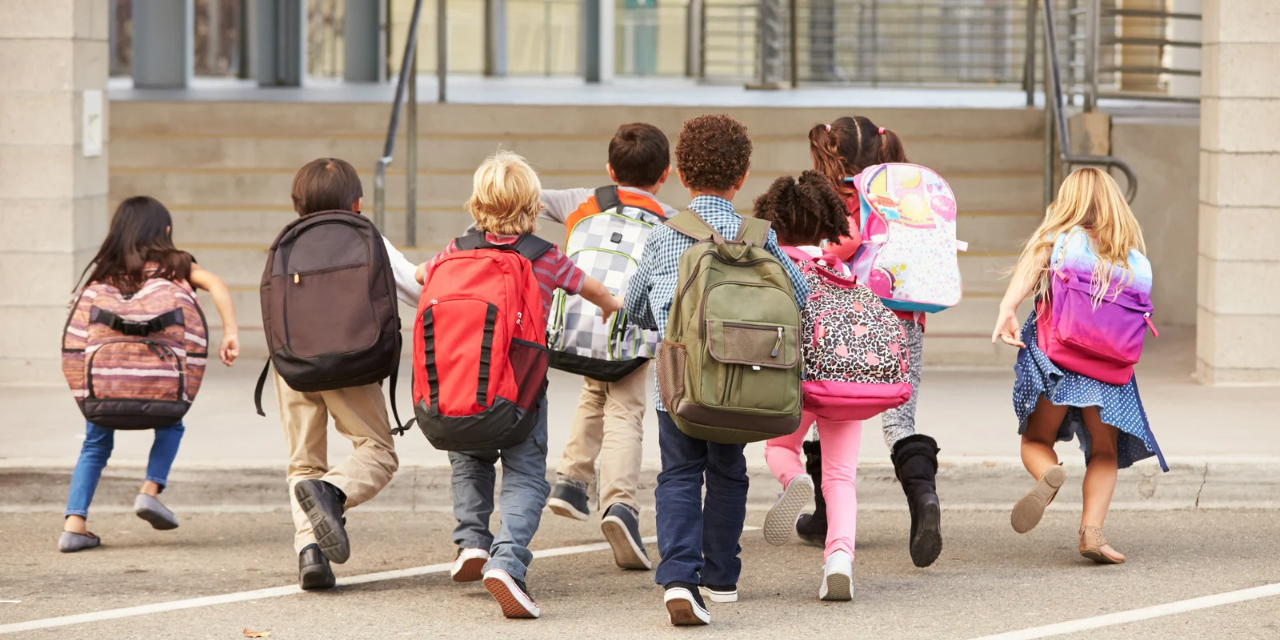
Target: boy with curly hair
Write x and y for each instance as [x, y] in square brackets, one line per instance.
[697, 539]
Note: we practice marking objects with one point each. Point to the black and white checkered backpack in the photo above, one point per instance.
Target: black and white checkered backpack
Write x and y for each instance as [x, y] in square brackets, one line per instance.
[606, 236]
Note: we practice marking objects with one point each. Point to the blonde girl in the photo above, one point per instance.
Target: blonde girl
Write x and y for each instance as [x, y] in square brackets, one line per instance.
[1090, 229]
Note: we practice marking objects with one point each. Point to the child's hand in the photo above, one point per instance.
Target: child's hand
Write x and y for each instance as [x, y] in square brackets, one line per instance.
[230, 349]
[420, 274]
[1007, 328]
[615, 304]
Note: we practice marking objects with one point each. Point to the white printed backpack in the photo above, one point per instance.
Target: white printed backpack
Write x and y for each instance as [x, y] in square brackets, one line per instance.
[605, 239]
[855, 353]
[908, 223]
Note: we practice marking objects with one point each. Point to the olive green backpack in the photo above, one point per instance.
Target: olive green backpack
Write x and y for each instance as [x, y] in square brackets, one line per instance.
[729, 364]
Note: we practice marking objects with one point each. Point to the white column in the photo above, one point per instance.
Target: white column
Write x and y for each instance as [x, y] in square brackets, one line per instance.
[1238, 317]
[162, 40]
[53, 172]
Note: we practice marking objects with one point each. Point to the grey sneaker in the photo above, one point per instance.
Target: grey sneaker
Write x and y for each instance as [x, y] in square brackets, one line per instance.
[569, 500]
[152, 511]
[70, 542]
[780, 522]
[622, 529]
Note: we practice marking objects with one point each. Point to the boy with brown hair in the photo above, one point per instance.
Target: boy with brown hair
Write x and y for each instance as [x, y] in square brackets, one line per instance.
[697, 538]
[321, 494]
[609, 422]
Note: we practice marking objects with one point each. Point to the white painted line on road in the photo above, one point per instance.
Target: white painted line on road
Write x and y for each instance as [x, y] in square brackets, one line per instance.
[275, 592]
[1136, 615]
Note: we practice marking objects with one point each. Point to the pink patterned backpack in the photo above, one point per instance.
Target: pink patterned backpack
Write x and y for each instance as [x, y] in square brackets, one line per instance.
[855, 356]
[135, 362]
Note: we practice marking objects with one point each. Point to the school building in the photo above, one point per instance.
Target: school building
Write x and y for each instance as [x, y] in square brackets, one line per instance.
[212, 105]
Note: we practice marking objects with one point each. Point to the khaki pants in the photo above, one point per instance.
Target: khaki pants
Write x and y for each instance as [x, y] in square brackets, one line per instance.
[360, 415]
[609, 424]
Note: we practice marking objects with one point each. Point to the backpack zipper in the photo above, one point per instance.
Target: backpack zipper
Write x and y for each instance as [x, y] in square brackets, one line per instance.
[777, 344]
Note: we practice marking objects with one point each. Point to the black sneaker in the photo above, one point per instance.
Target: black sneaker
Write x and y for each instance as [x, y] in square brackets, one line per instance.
[570, 501]
[719, 593]
[313, 569]
[512, 595]
[322, 503]
[685, 605]
[621, 528]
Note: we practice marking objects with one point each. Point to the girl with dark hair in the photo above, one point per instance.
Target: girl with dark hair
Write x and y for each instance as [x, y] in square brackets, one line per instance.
[806, 215]
[841, 150]
[139, 247]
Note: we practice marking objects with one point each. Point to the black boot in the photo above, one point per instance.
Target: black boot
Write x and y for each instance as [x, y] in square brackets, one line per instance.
[812, 527]
[915, 462]
[313, 569]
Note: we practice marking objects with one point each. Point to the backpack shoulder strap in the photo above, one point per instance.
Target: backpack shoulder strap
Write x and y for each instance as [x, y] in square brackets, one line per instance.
[690, 224]
[754, 231]
[531, 247]
[607, 198]
[473, 239]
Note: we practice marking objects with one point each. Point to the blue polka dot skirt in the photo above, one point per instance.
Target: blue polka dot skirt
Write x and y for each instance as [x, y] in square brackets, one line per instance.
[1119, 405]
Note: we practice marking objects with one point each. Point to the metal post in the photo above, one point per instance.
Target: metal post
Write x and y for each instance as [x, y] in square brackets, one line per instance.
[769, 24]
[693, 40]
[793, 34]
[442, 50]
[1093, 23]
[1029, 67]
[282, 42]
[245, 40]
[362, 56]
[1050, 122]
[495, 38]
[162, 43]
[411, 159]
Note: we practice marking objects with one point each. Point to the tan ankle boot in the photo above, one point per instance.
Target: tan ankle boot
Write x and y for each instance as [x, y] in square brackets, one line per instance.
[1094, 547]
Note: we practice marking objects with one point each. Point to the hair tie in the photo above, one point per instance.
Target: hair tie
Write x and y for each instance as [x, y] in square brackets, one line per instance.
[827, 126]
[881, 131]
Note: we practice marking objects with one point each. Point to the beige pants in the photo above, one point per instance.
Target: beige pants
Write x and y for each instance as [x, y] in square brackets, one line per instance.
[609, 424]
[360, 415]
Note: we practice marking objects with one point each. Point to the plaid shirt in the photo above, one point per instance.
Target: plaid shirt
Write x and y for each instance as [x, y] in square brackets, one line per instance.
[653, 286]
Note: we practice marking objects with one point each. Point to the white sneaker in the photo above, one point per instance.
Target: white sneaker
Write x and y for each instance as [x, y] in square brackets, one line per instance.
[780, 522]
[684, 605]
[837, 577]
[469, 566]
[512, 595]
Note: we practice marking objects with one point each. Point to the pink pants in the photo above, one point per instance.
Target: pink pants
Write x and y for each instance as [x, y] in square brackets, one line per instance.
[840, 442]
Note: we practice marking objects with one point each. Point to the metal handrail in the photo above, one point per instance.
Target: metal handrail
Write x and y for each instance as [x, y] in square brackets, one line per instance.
[1053, 85]
[408, 74]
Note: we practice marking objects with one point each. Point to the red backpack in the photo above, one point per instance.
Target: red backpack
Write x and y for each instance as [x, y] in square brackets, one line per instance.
[479, 345]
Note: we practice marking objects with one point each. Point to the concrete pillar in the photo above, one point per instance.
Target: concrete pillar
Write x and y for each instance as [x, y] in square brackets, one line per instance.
[1238, 318]
[364, 50]
[598, 31]
[162, 40]
[281, 28]
[53, 172]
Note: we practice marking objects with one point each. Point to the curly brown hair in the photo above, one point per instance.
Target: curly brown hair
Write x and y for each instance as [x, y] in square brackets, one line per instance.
[804, 212]
[713, 152]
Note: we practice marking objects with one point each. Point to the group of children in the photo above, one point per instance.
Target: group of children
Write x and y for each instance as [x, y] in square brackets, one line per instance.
[702, 487]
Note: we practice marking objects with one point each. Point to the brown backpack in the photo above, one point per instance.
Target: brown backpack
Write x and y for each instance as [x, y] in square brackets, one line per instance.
[329, 305]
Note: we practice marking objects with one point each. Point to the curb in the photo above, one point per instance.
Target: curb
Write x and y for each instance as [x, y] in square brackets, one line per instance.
[968, 484]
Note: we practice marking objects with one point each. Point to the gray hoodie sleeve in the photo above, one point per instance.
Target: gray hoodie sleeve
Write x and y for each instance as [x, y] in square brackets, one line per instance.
[557, 204]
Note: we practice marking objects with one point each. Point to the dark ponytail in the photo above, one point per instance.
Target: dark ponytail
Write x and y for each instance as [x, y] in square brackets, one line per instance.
[890, 147]
[832, 146]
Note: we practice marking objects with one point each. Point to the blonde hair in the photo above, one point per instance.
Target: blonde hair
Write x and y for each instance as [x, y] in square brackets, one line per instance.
[1089, 199]
[505, 195]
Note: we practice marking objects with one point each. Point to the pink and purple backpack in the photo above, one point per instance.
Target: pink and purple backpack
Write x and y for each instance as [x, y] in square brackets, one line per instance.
[855, 353]
[1104, 341]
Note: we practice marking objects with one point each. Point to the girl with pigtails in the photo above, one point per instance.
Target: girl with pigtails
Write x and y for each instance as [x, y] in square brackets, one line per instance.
[840, 151]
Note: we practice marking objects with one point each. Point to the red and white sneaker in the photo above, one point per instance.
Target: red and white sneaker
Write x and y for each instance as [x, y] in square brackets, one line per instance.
[512, 595]
[469, 565]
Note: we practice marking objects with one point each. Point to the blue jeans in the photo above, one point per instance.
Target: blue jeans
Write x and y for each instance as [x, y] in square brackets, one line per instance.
[524, 494]
[698, 542]
[97, 450]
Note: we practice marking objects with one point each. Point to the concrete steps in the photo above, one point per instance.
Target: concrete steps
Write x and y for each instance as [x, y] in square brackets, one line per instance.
[225, 171]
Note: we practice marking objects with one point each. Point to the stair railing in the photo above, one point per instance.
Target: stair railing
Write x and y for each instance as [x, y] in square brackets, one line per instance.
[406, 83]
[1056, 120]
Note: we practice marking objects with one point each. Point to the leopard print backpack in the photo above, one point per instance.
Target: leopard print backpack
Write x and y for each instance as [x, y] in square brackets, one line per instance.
[855, 353]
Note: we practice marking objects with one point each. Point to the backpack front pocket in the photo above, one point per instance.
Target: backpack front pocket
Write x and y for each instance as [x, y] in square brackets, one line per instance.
[319, 322]
[753, 365]
[135, 370]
